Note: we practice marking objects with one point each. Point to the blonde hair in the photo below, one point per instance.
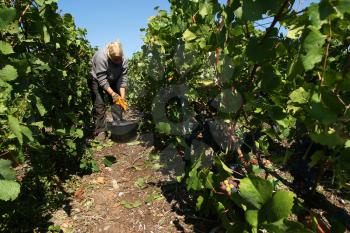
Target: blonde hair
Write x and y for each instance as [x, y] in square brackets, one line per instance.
[114, 50]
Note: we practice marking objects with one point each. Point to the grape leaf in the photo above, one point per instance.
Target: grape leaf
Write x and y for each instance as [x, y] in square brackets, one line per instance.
[6, 171]
[15, 128]
[9, 190]
[255, 191]
[7, 16]
[8, 73]
[280, 205]
[5, 48]
[312, 45]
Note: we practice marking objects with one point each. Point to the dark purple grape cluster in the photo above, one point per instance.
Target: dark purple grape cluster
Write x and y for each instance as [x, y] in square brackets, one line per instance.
[235, 166]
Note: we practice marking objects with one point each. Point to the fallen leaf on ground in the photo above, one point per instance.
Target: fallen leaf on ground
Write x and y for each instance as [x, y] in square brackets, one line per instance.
[79, 194]
[100, 180]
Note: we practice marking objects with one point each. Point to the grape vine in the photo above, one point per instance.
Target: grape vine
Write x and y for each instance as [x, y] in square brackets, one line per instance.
[44, 100]
[265, 82]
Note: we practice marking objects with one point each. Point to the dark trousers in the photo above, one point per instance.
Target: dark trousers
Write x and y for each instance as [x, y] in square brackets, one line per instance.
[99, 97]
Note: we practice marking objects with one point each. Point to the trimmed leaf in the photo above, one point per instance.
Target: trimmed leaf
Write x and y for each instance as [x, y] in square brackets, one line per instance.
[9, 190]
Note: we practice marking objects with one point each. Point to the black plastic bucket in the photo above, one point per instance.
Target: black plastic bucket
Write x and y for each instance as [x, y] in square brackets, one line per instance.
[123, 131]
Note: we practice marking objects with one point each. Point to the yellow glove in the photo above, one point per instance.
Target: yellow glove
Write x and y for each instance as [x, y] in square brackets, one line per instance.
[121, 102]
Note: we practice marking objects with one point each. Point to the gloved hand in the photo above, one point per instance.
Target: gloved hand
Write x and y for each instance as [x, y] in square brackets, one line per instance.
[118, 100]
[115, 97]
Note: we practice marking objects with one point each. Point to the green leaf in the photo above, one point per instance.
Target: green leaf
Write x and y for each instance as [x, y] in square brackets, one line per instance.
[39, 105]
[322, 113]
[312, 44]
[7, 16]
[258, 52]
[94, 167]
[6, 171]
[254, 9]
[109, 160]
[8, 73]
[331, 100]
[285, 226]
[330, 139]
[316, 157]
[269, 80]
[15, 128]
[5, 48]
[296, 227]
[299, 96]
[27, 132]
[46, 35]
[251, 216]
[141, 182]
[347, 144]
[343, 6]
[9, 190]
[343, 160]
[255, 191]
[133, 143]
[230, 102]
[188, 35]
[79, 133]
[153, 197]
[130, 205]
[199, 202]
[193, 181]
[294, 32]
[163, 127]
[222, 166]
[280, 206]
[40, 2]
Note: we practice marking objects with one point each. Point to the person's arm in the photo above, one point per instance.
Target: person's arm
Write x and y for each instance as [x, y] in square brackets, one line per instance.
[122, 92]
[101, 66]
[124, 78]
[110, 91]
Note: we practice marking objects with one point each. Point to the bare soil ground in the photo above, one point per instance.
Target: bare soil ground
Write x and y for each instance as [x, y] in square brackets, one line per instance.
[135, 194]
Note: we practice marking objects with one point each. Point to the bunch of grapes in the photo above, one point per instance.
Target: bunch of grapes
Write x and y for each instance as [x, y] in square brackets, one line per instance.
[229, 186]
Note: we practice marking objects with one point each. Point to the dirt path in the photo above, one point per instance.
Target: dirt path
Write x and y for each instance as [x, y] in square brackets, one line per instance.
[135, 194]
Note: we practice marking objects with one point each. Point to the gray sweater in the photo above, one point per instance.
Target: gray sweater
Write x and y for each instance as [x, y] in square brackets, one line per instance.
[106, 72]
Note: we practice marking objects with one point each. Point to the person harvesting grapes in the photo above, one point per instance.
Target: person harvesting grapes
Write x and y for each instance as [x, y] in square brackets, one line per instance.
[109, 70]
